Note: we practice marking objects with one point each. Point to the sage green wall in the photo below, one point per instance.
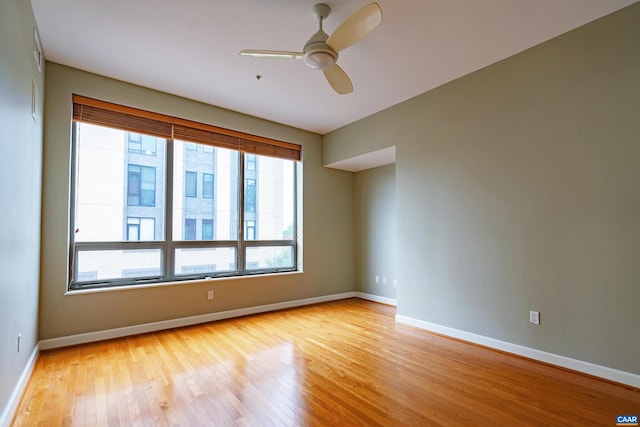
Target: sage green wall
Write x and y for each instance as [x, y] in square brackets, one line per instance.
[20, 188]
[327, 222]
[518, 188]
[375, 225]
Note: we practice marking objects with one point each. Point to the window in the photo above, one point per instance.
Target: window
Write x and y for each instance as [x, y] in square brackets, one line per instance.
[207, 186]
[191, 184]
[207, 229]
[189, 229]
[251, 161]
[141, 144]
[140, 228]
[124, 200]
[250, 230]
[141, 186]
[135, 142]
[250, 195]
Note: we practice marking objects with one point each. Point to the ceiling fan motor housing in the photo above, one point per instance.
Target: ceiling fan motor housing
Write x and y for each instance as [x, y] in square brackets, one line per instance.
[317, 53]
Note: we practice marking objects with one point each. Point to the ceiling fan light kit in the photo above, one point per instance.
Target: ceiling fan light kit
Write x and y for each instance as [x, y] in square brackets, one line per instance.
[320, 59]
[320, 52]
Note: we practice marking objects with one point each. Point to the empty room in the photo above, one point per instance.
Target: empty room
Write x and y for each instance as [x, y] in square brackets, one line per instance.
[295, 213]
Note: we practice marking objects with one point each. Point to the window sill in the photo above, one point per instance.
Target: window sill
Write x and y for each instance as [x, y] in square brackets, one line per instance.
[176, 283]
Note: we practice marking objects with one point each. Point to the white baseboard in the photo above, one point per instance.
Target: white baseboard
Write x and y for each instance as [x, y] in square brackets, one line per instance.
[531, 353]
[14, 400]
[376, 298]
[184, 321]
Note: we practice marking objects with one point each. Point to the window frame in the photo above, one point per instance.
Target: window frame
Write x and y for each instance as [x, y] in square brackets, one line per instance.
[168, 246]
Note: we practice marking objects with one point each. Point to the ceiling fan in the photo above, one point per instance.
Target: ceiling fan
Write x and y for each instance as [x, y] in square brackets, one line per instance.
[320, 52]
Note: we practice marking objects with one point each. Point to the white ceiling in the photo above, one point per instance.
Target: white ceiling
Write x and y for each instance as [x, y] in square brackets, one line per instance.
[190, 48]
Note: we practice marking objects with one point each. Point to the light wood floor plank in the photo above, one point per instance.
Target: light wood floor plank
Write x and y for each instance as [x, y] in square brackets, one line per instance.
[343, 363]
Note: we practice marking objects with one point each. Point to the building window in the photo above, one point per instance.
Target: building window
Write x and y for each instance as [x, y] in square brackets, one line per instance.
[141, 186]
[191, 184]
[140, 228]
[189, 229]
[207, 186]
[137, 219]
[250, 230]
[251, 161]
[207, 229]
[250, 195]
[141, 144]
[134, 142]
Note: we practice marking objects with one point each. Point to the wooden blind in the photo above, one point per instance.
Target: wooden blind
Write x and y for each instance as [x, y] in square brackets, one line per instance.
[201, 136]
[119, 120]
[89, 110]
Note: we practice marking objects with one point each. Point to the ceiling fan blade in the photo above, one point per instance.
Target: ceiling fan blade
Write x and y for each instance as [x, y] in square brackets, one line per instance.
[338, 80]
[356, 27]
[271, 54]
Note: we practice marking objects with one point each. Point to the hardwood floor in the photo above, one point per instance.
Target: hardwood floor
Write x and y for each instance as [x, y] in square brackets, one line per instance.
[344, 363]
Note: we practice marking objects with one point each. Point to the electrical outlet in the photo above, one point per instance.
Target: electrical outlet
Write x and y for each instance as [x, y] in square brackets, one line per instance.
[395, 283]
[384, 280]
[377, 279]
[210, 295]
[534, 317]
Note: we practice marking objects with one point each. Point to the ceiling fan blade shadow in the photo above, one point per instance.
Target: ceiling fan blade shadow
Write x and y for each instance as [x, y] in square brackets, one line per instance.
[280, 54]
[339, 80]
[356, 27]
